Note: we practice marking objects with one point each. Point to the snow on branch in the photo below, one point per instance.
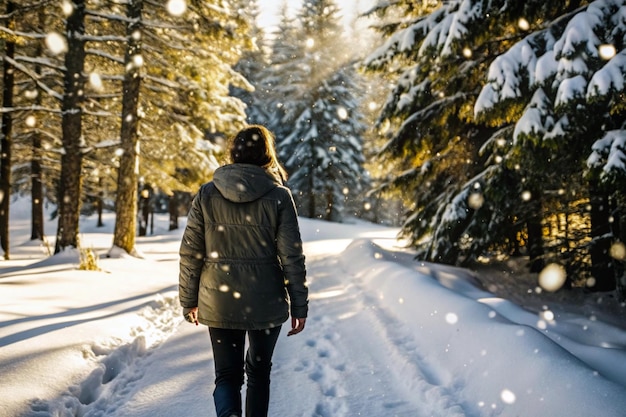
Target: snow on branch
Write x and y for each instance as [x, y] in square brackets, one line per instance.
[578, 33]
[107, 17]
[537, 118]
[29, 109]
[609, 153]
[17, 33]
[437, 31]
[102, 38]
[562, 60]
[508, 72]
[162, 81]
[404, 40]
[35, 77]
[106, 55]
[608, 78]
[41, 61]
[570, 89]
[456, 27]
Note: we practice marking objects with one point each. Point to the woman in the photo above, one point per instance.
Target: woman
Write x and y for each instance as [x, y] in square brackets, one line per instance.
[242, 269]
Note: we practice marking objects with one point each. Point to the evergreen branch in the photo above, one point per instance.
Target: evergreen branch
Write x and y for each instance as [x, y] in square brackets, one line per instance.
[35, 77]
[102, 54]
[27, 35]
[39, 61]
[29, 109]
[102, 38]
[162, 81]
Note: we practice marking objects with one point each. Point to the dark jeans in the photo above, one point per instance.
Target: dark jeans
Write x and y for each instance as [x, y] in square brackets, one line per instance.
[228, 355]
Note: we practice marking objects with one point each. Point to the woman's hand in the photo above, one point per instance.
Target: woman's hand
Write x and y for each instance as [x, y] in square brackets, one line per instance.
[297, 325]
[191, 314]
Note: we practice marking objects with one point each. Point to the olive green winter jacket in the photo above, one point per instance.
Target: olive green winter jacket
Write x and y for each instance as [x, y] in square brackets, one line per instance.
[241, 259]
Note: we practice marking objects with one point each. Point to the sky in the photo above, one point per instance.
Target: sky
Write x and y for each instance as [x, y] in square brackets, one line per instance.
[386, 336]
[269, 10]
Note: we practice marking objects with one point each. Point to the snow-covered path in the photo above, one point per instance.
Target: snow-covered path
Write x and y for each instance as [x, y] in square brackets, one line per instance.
[386, 337]
[357, 358]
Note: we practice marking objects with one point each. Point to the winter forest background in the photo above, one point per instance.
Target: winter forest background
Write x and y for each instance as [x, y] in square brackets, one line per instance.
[485, 129]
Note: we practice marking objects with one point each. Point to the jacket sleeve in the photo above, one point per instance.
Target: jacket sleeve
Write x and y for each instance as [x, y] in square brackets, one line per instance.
[192, 250]
[289, 244]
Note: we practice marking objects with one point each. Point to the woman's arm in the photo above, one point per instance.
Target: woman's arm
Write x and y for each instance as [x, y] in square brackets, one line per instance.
[289, 245]
[191, 252]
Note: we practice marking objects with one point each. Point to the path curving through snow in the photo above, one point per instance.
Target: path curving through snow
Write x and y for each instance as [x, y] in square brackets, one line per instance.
[386, 336]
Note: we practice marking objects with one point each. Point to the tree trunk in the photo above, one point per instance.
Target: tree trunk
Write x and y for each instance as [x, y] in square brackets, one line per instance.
[99, 209]
[600, 241]
[100, 203]
[535, 236]
[311, 191]
[37, 223]
[172, 208]
[619, 259]
[37, 197]
[145, 209]
[5, 136]
[330, 203]
[70, 183]
[128, 174]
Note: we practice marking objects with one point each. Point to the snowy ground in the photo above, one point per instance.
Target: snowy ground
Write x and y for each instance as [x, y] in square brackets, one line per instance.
[386, 337]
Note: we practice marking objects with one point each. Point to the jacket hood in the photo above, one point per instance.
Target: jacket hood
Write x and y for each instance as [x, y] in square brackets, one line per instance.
[243, 183]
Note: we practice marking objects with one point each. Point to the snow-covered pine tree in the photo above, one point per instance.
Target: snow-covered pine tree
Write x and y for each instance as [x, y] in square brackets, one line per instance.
[471, 195]
[323, 150]
[252, 65]
[284, 80]
[565, 79]
[437, 53]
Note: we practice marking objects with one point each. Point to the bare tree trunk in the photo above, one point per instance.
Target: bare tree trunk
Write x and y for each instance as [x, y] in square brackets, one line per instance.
[535, 235]
[70, 183]
[100, 203]
[99, 209]
[600, 241]
[145, 209]
[330, 203]
[312, 202]
[172, 208]
[37, 197]
[618, 231]
[5, 136]
[126, 200]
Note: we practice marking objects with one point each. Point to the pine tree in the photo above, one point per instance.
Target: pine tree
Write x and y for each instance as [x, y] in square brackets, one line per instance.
[127, 176]
[70, 184]
[439, 56]
[490, 169]
[433, 144]
[8, 83]
[192, 98]
[285, 78]
[183, 99]
[575, 107]
[323, 152]
[36, 132]
[252, 65]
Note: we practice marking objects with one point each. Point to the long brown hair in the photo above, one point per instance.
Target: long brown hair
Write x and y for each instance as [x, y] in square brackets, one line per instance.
[255, 145]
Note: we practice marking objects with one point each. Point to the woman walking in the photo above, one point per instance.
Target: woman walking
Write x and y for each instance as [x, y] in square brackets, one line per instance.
[242, 270]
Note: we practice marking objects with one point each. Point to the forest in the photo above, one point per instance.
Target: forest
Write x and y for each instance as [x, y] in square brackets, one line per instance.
[484, 129]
